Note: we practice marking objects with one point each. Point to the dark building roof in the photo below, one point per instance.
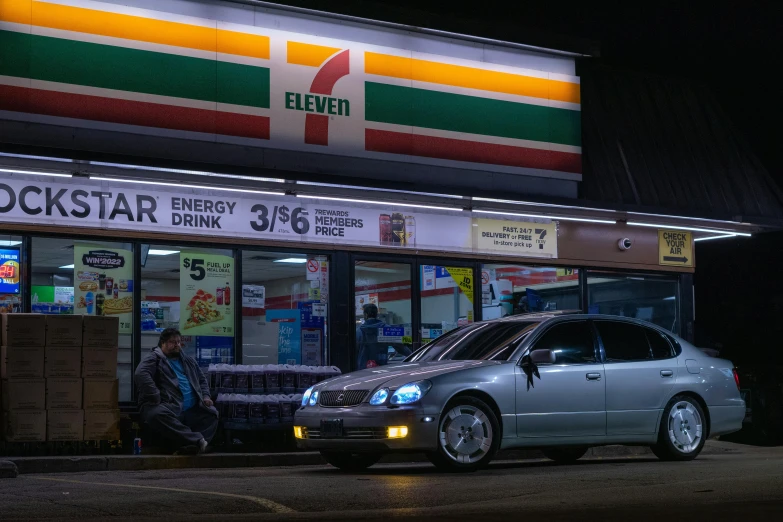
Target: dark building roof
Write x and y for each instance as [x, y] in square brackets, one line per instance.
[666, 145]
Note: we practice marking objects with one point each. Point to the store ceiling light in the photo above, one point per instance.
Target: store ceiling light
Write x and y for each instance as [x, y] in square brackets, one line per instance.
[182, 185]
[67, 267]
[724, 236]
[34, 173]
[387, 203]
[539, 216]
[154, 252]
[693, 229]
[292, 260]
[6, 242]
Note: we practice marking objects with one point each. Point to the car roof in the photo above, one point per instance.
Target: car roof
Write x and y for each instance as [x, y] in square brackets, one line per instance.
[575, 314]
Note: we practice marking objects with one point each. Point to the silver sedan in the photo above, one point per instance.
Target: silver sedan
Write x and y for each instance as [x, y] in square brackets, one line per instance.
[558, 382]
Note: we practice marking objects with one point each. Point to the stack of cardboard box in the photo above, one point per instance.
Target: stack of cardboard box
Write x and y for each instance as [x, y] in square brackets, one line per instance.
[59, 377]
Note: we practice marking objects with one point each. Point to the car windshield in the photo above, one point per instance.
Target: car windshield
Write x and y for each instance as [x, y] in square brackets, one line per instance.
[476, 342]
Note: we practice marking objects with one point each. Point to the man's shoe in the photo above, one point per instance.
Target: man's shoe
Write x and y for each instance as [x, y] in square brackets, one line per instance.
[202, 446]
[190, 449]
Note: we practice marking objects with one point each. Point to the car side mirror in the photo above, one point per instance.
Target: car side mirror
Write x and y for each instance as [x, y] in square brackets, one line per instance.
[543, 357]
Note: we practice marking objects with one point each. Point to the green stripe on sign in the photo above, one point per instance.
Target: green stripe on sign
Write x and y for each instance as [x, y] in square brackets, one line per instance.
[460, 113]
[110, 67]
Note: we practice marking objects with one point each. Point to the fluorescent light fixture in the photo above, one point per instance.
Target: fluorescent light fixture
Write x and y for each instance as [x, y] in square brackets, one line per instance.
[7, 242]
[181, 171]
[33, 173]
[67, 267]
[714, 237]
[182, 185]
[292, 260]
[538, 216]
[387, 203]
[154, 252]
[355, 187]
[694, 229]
[684, 217]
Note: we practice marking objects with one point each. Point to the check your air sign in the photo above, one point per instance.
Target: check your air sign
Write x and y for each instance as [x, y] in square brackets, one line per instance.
[675, 248]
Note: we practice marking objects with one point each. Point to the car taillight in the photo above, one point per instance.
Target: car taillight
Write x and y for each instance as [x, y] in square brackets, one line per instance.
[736, 377]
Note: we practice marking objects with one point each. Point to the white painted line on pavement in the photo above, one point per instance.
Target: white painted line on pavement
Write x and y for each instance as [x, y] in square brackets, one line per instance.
[265, 502]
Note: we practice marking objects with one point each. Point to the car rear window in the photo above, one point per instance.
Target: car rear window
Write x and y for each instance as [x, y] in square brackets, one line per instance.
[482, 341]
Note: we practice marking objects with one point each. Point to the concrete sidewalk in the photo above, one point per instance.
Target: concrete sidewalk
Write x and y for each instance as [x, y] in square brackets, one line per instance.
[253, 460]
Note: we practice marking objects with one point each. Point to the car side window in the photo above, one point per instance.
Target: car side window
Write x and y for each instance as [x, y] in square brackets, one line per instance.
[572, 343]
[659, 345]
[623, 341]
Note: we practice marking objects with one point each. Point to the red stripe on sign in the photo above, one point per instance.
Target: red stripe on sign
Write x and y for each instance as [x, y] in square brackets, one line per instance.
[473, 151]
[99, 108]
[317, 129]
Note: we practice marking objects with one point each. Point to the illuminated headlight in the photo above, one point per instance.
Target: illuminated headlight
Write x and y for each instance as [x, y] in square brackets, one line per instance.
[379, 397]
[306, 396]
[410, 393]
[314, 398]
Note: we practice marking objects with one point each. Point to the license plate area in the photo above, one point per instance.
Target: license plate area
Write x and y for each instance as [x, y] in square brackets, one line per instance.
[332, 429]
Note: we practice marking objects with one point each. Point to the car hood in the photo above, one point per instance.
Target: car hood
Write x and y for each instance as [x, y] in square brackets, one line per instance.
[399, 374]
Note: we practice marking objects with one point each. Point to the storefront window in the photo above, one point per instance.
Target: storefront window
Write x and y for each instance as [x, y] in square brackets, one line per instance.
[514, 289]
[384, 325]
[284, 301]
[10, 274]
[193, 289]
[89, 278]
[653, 299]
[446, 299]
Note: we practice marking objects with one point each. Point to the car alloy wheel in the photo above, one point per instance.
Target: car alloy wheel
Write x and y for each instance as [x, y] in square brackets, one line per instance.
[685, 427]
[466, 434]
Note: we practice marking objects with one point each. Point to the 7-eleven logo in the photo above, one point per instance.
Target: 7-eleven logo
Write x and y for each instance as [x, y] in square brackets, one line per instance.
[320, 105]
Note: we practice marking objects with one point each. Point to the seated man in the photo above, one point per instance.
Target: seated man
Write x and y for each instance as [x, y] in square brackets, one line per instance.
[174, 395]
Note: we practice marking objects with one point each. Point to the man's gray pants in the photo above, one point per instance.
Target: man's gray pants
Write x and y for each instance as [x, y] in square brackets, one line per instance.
[189, 427]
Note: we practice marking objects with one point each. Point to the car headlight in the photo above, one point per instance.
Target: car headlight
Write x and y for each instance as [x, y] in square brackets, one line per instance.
[306, 396]
[410, 393]
[379, 397]
[314, 398]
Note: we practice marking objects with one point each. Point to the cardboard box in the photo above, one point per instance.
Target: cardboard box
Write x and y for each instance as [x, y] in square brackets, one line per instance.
[64, 425]
[21, 362]
[64, 330]
[24, 426]
[100, 331]
[63, 361]
[23, 330]
[63, 393]
[101, 394]
[24, 394]
[101, 424]
[99, 362]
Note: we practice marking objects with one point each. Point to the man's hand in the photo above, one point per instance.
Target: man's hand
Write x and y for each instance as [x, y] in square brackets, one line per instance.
[208, 403]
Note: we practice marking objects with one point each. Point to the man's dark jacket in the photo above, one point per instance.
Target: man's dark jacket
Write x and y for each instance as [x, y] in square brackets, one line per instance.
[157, 384]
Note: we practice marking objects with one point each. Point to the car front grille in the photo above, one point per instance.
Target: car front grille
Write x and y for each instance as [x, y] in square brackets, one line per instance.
[349, 433]
[336, 399]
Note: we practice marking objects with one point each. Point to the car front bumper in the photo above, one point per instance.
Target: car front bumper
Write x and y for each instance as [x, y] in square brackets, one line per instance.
[365, 428]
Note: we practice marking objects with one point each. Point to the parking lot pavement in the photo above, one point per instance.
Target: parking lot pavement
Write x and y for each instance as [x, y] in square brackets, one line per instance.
[746, 481]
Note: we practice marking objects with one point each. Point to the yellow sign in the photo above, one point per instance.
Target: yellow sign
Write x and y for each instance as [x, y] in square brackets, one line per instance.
[464, 279]
[675, 247]
[407, 339]
[521, 238]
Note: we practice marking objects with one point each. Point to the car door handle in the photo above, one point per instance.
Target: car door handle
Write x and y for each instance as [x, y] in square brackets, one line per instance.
[666, 373]
[593, 376]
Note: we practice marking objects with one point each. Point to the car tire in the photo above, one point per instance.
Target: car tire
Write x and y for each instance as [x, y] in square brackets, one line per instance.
[347, 461]
[466, 419]
[683, 430]
[564, 455]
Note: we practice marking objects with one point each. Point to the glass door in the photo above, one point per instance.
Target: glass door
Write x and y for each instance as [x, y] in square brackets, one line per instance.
[447, 297]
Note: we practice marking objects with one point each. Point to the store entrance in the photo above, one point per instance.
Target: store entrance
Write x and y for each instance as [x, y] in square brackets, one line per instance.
[403, 303]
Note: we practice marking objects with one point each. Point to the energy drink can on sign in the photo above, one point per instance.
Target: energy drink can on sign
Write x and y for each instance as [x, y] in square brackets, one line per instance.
[385, 226]
[410, 231]
[398, 229]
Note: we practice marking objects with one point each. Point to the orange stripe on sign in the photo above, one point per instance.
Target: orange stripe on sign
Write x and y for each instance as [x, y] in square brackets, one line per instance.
[470, 77]
[309, 54]
[91, 21]
[16, 11]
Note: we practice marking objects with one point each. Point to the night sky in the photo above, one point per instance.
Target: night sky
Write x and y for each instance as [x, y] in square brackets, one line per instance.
[735, 47]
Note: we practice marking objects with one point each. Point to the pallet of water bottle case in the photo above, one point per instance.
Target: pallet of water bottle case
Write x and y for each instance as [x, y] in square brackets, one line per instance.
[267, 394]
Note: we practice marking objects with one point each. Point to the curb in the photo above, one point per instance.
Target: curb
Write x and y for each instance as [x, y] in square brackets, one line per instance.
[25, 465]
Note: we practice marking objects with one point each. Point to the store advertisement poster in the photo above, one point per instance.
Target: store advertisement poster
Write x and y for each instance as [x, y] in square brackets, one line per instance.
[103, 283]
[9, 271]
[312, 342]
[363, 300]
[205, 290]
[522, 238]
[253, 296]
[289, 335]
[463, 278]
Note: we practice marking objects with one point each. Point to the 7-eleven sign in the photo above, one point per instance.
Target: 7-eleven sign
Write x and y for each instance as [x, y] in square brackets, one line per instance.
[331, 64]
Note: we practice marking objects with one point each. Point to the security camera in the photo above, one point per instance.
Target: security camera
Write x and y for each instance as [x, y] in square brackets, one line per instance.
[624, 244]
